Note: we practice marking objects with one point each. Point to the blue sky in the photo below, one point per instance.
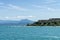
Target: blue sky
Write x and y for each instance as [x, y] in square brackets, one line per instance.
[29, 9]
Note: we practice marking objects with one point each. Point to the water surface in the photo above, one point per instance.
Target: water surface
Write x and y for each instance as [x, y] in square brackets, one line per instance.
[29, 33]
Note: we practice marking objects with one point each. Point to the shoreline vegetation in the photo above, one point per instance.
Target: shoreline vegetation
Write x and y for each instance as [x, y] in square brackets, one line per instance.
[49, 22]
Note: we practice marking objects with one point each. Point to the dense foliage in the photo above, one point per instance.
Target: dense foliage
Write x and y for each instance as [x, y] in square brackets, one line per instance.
[50, 22]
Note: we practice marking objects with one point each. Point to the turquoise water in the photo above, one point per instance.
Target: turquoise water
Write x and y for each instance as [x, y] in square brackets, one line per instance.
[29, 33]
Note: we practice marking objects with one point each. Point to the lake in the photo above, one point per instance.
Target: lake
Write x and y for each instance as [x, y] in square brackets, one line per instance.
[29, 33]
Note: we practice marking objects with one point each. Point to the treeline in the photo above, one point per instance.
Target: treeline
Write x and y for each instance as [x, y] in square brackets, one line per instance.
[49, 22]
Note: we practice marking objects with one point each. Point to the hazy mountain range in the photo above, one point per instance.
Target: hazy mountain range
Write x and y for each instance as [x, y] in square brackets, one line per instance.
[13, 22]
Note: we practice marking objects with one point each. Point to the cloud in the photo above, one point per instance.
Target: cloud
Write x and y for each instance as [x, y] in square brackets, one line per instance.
[25, 16]
[44, 7]
[11, 6]
[16, 17]
[50, 1]
[51, 9]
[6, 17]
[32, 16]
[36, 6]
[1, 3]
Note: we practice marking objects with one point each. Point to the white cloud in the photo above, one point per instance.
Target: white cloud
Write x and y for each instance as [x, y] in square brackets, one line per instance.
[25, 16]
[36, 6]
[17, 17]
[16, 7]
[44, 7]
[50, 1]
[32, 16]
[6, 17]
[51, 9]
[1, 3]
[11, 6]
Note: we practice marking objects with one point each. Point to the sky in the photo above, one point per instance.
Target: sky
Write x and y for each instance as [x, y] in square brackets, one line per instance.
[29, 9]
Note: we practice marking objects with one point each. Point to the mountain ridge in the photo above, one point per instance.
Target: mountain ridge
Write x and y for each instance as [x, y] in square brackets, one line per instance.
[13, 22]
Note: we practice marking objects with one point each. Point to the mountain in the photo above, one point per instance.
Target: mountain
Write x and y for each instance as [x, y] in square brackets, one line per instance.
[25, 22]
[13, 22]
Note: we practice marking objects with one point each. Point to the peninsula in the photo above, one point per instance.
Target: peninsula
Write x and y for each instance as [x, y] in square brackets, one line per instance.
[49, 22]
